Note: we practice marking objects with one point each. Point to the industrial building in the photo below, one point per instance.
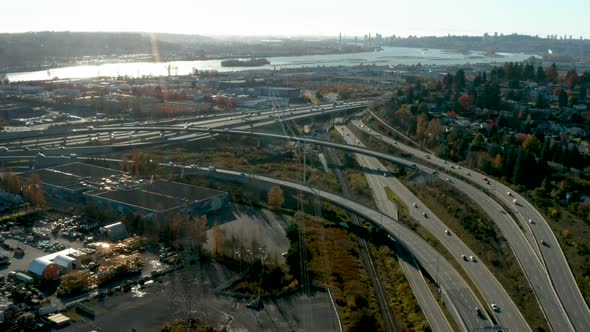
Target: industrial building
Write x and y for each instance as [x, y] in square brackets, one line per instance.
[78, 183]
[161, 198]
[115, 232]
[52, 266]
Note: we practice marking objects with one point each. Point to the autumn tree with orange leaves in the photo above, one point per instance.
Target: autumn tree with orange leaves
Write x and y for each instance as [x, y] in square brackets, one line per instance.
[276, 197]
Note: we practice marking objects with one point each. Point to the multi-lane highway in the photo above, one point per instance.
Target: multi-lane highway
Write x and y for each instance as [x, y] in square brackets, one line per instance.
[424, 296]
[545, 265]
[508, 314]
[463, 299]
[552, 255]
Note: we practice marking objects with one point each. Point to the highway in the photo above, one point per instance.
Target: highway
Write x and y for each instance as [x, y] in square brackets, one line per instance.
[354, 149]
[32, 139]
[452, 283]
[487, 284]
[551, 260]
[523, 251]
[453, 287]
[421, 290]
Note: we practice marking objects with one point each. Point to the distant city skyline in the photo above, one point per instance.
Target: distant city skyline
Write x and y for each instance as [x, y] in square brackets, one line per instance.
[302, 18]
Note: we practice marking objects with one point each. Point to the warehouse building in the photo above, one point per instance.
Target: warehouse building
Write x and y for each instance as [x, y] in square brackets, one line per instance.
[52, 266]
[161, 198]
[114, 232]
[79, 183]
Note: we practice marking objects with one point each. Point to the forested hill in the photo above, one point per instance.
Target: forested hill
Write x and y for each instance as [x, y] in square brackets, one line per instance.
[36, 48]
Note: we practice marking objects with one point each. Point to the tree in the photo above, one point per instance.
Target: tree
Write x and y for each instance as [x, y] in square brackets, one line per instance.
[540, 77]
[551, 73]
[218, 238]
[11, 182]
[562, 98]
[33, 191]
[466, 102]
[571, 78]
[421, 123]
[532, 143]
[276, 197]
[497, 163]
[459, 80]
[435, 129]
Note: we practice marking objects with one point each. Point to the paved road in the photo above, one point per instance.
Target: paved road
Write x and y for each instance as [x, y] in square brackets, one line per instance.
[424, 296]
[462, 297]
[551, 264]
[485, 281]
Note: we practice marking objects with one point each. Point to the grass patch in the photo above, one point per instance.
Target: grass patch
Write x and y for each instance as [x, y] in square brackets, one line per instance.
[402, 301]
[334, 262]
[401, 207]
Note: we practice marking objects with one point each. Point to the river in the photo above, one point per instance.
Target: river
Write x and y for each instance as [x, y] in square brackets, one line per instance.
[389, 56]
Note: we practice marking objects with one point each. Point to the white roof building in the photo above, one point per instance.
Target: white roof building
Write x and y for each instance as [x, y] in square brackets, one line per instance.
[51, 266]
[116, 231]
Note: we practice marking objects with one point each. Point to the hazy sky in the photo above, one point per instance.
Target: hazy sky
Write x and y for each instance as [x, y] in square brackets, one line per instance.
[300, 17]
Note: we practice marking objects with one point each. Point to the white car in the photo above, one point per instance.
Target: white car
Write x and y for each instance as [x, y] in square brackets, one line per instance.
[514, 201]
[447, 232]
[509, 193]
[531, 221]
[472, 258]
[415, 205]
[464, 257]
[424, 214]
[495, 307]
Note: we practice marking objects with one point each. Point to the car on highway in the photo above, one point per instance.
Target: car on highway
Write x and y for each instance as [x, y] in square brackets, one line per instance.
[464, 257]
[415, 205]
[447, 232]
[515, 201]
[495, 307]
[194, 166]
[472, 258]
[531, 221]
[477, 311]
[509, 193]
[424, 214]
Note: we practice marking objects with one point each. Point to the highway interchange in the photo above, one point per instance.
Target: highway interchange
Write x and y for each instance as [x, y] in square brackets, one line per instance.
[544, 265]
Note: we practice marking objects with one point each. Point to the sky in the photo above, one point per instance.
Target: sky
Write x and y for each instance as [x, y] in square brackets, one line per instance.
[300, 17]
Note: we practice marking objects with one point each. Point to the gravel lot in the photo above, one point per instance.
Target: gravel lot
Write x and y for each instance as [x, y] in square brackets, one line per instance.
[147, 309]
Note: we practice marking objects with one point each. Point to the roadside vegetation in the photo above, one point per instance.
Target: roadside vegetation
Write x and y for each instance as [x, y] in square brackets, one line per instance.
[401, 299]
[479, 233]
